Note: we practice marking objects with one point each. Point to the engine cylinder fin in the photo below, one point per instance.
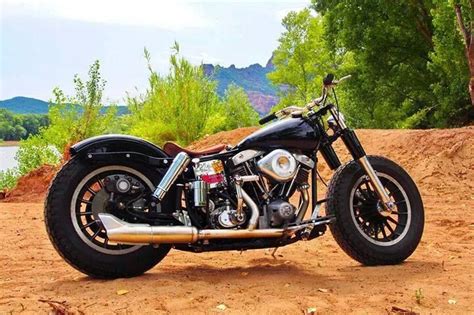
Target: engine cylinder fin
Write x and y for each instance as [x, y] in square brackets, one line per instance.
[302, 176]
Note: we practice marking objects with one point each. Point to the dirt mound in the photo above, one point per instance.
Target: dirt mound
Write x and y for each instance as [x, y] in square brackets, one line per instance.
[228, 137]
[438, 159]
[33, 186]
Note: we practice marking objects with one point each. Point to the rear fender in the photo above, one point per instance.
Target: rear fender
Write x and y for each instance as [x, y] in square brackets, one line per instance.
[116, 143]
[119, 147]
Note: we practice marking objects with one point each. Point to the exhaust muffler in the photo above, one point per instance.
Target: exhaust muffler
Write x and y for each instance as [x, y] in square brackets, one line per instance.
[132, 233]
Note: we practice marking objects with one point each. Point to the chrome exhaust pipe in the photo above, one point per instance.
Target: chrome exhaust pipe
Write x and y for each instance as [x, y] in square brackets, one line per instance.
[219, 234]
[253, 208]
[132, 233]
[304, 203]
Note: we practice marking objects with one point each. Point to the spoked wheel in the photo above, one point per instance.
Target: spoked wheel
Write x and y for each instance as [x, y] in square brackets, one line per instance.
[91, 198]
[366, 206]
[360, 229]
[79, 193]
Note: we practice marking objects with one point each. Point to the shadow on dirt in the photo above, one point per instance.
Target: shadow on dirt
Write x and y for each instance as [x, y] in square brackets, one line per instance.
[267, 273]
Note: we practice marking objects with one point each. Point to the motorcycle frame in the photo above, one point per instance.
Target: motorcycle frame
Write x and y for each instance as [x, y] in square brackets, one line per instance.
[325, 147]
[178, 174]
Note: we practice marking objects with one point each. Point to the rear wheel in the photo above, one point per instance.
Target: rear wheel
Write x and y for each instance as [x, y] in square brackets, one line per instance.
[360, 229]
[78, 194]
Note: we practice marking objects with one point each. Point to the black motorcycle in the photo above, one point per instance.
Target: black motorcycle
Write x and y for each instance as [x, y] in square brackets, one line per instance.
[121, 203]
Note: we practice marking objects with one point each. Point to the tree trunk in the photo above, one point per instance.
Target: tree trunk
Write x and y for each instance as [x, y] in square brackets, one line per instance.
[468, 36]
[470, 59]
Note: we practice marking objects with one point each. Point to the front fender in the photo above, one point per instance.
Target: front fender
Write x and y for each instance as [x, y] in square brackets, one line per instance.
[116, 143]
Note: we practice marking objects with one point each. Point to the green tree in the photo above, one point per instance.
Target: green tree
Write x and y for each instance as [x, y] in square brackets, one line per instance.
[8, 122]
[407, 61]
[301, 59]
[33, 123]
[464, 11]
[77, 117]
[71, 119]
[237, 110]
[176, 106]
[240, 112]
[390, 45]
[20, 126]
[449, 65]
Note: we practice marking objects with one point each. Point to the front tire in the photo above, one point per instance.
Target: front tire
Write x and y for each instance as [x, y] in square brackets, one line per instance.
[360, 230]
[77, 242]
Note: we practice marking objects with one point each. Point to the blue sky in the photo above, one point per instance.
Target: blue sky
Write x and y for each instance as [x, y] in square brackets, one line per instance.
[43, 43]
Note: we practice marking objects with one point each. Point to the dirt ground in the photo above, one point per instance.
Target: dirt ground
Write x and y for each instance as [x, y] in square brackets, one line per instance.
[437, 279]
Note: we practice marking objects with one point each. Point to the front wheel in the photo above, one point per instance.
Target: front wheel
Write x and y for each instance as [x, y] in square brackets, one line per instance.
[360, 230]
[76, 197]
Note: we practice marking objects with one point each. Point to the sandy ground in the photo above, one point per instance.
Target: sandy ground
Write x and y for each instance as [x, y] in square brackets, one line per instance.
[9, 143]
[306, 275]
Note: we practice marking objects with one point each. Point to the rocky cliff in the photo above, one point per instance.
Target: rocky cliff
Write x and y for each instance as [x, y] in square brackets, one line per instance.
[253, 79]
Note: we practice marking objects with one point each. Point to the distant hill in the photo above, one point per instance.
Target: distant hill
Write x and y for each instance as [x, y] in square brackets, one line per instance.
[29, 105]
[25, 105]
[253, 79]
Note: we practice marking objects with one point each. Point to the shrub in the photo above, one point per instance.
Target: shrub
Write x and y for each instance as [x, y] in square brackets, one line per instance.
[176, 106]
[71, 119]
[8, 178]
[184, 105]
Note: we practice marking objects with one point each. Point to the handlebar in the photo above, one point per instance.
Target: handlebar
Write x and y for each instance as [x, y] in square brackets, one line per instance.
[344, 78]
[267, 118]
[328, 83]
[329, 80]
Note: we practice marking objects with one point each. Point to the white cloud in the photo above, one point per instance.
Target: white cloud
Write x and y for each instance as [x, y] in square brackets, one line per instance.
[172, 15]
[203, 57]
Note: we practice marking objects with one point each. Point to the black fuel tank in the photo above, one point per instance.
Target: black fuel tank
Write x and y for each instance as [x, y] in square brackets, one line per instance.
[289, 133]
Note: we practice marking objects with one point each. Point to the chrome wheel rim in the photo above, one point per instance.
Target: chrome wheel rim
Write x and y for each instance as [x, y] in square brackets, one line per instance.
[85, 220]
[364, 207]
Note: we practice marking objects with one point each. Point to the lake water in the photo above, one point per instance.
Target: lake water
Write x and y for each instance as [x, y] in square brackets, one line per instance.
[7, 157]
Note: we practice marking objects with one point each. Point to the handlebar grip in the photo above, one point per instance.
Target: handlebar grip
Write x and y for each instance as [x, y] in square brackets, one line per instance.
[328, 79]
[267, 118]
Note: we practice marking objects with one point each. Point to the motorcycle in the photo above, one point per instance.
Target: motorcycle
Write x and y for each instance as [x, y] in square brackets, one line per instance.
[118, 206]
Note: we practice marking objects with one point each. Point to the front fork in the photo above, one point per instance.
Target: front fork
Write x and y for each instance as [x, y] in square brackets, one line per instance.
[357, 152]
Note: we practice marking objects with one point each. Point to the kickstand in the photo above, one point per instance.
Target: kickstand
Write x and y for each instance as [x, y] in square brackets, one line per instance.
[273, 253]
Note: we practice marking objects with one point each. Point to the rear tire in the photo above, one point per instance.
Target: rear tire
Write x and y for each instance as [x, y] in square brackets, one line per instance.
[73, 247]
[359, 229]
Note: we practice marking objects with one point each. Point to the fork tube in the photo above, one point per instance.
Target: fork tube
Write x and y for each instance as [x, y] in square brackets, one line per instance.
[358, 153]
[364, 162]
[314, 183]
